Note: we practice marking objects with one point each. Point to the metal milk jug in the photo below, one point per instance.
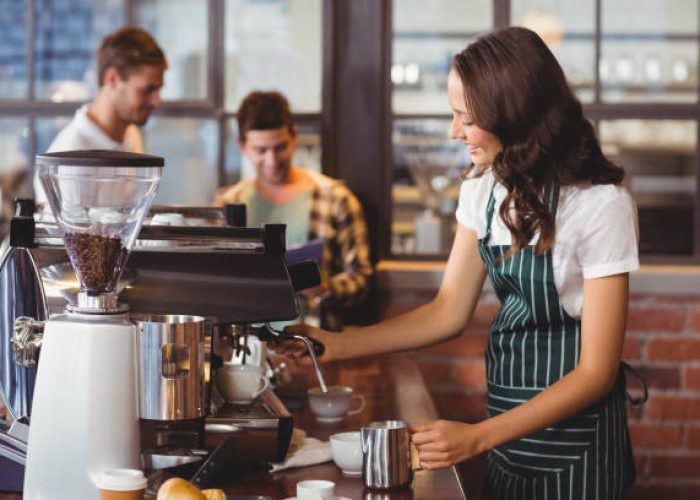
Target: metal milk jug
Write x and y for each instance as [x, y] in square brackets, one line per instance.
[386, 455]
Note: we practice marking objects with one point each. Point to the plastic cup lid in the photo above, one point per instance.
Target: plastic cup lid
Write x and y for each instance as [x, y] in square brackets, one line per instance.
[122, 480]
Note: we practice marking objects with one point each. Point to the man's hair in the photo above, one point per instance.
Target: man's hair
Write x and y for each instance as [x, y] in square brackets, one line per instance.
[263, 111]
[125, 50]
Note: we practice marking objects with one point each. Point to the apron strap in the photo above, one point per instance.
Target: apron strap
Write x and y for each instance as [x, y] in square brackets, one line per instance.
[625, 369]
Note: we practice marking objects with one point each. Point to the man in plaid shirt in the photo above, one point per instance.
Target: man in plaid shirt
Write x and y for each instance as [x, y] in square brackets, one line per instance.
[311, 204]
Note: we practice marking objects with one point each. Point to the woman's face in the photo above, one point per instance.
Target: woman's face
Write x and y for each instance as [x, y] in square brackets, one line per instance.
[483, 146]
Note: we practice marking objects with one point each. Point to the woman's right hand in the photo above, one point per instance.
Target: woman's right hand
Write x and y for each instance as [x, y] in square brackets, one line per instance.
[296, 349]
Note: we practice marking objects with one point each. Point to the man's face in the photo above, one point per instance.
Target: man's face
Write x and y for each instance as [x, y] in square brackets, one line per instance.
[136, 97]
[270, 152]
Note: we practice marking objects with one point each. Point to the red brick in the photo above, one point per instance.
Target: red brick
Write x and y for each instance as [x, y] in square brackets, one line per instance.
[673, 349]
[692, 379]
[692, 436]
[676, 491]
[470, 374]
[656, 377]
[673, 407]
[631, 349]
[471, 343]
[646, 319]
[435, 373]
[694, 320]
[484, 314]
[673, 466]
[466, 407]
[655, 436]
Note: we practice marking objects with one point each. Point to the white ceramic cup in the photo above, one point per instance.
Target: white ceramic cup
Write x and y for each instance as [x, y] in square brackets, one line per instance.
[346, 450]
[240, 384]
[335, 404]
[315, 489]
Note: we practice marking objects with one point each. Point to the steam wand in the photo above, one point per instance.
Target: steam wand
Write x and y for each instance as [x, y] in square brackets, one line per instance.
[312, 346]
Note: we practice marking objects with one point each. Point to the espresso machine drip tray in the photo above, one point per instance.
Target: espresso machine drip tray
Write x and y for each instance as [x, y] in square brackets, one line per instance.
[261, 431]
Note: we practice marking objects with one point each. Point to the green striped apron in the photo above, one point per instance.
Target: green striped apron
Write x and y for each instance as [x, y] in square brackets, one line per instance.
[533, 343]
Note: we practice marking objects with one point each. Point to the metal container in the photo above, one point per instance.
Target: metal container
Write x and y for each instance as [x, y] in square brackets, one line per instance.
[171, 366]
[386, 455]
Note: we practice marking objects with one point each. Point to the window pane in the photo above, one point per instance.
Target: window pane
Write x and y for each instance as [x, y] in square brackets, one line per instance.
[68, 33]
[274, 45]
[13, 50]
[14, 164]
[659, 157]
[426, 35]
[649, 50]
[427, 174]
[307, 154]
[568, 28]
[189, 146]
[180, 27]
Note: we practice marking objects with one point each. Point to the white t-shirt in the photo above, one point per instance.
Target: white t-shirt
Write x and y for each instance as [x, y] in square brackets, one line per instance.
[82, 133]
[596, 232]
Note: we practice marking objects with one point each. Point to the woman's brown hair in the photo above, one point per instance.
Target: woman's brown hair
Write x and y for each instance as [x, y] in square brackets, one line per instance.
[515, 89]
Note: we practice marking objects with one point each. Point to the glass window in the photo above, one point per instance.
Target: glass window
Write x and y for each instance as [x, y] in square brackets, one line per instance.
[307, 154]
[14, 164]
[649, 50]
[13, 50]
[659, 157]
[181, 28]
[427, 34]
[274, 45]
[68, 33]
[190, 147]
[568, 28]
[428, 171]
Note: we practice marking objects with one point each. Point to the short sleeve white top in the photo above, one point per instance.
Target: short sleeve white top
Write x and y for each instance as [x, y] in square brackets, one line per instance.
[596, 232]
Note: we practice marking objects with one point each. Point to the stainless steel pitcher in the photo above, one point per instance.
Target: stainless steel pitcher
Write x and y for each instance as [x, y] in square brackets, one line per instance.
[386, 455]
[171, 366]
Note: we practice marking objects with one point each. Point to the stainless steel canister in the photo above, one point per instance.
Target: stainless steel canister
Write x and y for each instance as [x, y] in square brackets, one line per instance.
[171, 366]
[386, 455]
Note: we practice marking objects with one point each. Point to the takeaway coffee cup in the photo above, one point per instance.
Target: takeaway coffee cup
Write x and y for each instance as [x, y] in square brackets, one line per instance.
[240, 384]
[121, 484]
[334, 405]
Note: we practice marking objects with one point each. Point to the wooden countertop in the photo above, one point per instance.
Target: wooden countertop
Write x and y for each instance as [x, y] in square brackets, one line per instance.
[393, 388]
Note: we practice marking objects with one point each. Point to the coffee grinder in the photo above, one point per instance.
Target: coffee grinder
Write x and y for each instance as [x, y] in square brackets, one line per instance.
[85, 416]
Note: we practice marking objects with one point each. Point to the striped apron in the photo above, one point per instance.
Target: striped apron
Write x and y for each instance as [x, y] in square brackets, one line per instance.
[533, 343]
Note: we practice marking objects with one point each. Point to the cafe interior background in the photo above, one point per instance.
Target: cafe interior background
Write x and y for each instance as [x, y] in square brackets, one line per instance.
[366, 80]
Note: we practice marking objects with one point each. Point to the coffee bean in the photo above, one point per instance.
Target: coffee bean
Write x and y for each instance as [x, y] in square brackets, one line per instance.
[98, 260]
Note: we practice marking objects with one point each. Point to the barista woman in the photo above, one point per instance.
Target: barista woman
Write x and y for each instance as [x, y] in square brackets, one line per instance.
[543, 214]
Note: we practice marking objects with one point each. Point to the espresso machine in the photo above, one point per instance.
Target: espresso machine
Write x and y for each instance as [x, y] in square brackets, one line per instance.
[184, 285]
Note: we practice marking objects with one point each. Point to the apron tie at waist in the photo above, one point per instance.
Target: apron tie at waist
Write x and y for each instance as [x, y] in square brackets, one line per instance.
[626, 368]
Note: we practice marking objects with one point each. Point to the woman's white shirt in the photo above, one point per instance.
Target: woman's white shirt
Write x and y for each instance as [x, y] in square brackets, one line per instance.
[596, 232]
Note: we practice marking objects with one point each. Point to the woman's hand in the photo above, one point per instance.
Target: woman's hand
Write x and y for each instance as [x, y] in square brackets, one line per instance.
[444, 443]
[296, 348]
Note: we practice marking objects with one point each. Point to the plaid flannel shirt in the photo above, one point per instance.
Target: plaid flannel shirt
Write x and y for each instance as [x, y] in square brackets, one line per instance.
[336, 216]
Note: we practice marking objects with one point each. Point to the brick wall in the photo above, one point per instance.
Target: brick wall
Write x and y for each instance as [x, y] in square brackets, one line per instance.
[662, 343]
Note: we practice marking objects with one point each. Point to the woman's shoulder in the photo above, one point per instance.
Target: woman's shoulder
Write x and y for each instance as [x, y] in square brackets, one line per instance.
[595, 195]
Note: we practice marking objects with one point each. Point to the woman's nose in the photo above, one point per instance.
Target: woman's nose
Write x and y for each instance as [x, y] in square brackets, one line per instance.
[456, 130]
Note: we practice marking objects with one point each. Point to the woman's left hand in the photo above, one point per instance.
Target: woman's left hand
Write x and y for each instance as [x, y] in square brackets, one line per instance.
[444, 443]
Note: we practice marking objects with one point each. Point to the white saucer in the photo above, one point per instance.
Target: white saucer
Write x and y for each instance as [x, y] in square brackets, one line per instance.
[330, 420]
[351, 473]
[335, 498]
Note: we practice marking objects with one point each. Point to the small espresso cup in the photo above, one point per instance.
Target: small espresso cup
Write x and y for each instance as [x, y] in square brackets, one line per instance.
[334, 405]
[121, 484]
[240, 384]
[315, 489]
